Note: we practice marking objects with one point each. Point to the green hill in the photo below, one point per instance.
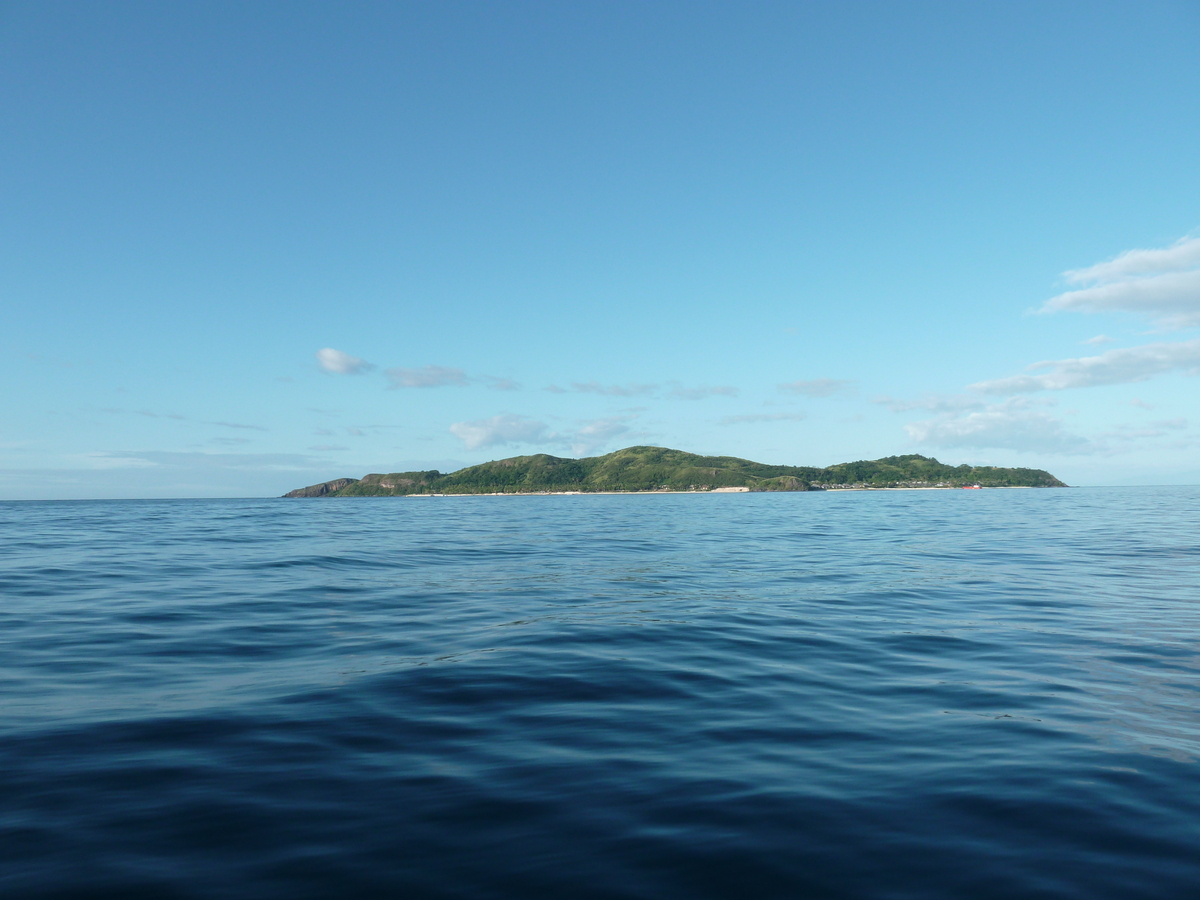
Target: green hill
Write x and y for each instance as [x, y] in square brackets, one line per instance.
[660, 469]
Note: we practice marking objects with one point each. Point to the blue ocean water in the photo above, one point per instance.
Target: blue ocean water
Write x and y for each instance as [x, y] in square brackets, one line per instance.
[938, 694]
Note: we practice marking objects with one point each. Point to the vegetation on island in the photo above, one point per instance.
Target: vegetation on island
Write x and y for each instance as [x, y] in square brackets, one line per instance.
[661, 469]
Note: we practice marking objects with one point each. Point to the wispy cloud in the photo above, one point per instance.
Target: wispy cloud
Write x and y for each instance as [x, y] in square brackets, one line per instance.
[1038, 432]
[594, 435]
[340, 363]
[426, 377]
[1161, 284]
[154, 415]
[1014, 424]
[499, 430]
[206, 460]
[610, 390]
[239, 425]
[175, 417]
[143, 412]
[818, 387]
[679, 392]
[1099, 339]
[1123, 437]
[1183, 254]
[762, 417]
[1114, 367]
[410, 376]
[500, 384]
[507, 429]
[939, 403]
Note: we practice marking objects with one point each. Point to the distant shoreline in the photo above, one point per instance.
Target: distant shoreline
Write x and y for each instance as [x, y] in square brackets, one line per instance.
[830, 490]
[661, 470]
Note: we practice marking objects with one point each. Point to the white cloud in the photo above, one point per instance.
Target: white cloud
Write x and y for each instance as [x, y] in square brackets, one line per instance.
[1011, 425]
[1099, 339]
[426, 377]
[679, 392]
[341, 363]
[1163, 285]
[498, 430]
[1114, 367]
[818, 387]
[1183, 254]
[762, 417]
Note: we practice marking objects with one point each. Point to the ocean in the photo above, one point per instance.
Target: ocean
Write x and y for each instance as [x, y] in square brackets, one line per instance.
[882, 694]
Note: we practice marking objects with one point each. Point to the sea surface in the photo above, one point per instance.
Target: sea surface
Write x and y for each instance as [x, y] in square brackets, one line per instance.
[927, 694]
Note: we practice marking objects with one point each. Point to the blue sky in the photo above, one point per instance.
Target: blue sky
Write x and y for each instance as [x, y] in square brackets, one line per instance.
[247, 247]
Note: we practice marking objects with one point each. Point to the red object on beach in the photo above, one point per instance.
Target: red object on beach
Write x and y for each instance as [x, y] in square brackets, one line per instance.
[972, 487]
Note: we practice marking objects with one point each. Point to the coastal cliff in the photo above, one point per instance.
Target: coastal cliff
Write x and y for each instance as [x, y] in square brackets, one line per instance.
[324, 489]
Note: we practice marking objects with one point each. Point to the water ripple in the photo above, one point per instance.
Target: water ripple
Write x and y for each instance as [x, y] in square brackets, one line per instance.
[884, 695]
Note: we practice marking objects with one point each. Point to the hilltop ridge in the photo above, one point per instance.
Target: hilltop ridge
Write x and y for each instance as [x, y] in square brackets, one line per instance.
[651, 469]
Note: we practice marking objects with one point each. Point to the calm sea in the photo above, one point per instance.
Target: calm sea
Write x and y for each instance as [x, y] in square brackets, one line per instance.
[941, 694]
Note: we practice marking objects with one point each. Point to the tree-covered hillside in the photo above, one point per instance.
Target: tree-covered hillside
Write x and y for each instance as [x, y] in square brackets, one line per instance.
[899, 470]
[659, 469]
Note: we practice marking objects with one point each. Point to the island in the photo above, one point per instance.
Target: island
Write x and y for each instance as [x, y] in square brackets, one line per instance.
[661, 470]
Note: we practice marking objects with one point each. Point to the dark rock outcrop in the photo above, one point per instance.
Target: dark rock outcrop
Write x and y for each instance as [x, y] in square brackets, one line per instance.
[324, 489]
